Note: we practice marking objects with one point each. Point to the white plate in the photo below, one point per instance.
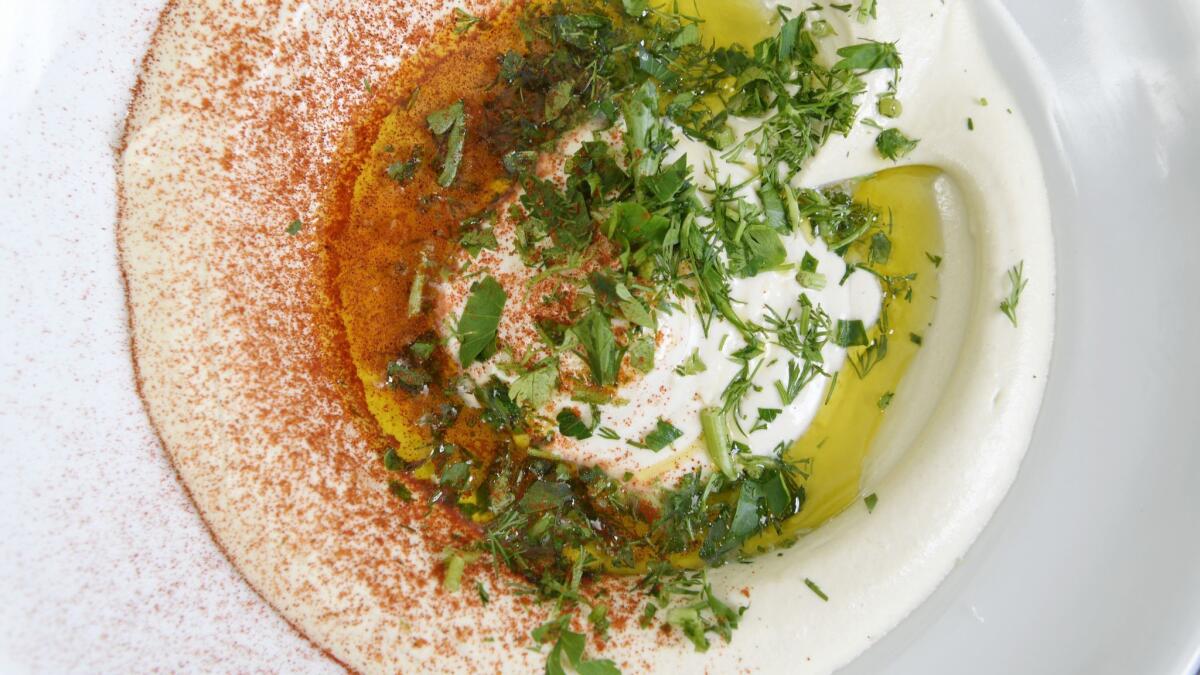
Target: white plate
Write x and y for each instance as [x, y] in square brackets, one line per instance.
[1091, 565]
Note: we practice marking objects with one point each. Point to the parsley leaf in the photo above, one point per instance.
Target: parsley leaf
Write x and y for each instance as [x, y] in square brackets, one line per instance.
[403, 171]
[641, 353]
[463, 21]
[893, 144]
[692, 365]
[885, 400]
[664, 434]
[594, 332]
[636, 313]
[869, 56]
[479, 321]
[535, 387]
[631, 223]
[452, 119]
[571, 426]
[477, 234]
[871, 500]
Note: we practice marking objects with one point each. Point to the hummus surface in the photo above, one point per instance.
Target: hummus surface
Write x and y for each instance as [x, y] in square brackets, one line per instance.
[233, 133]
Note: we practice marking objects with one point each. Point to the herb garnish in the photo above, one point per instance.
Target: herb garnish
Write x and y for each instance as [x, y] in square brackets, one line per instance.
[871, 500]
[404, 170]
[600, 350]
[664, 434]
[1017, 283]
[451, 120]
[812, 586]
[893, 144]
[479, 321]
[463, 21]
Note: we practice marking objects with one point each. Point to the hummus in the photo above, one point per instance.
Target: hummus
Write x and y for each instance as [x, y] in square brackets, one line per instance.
[230, 138]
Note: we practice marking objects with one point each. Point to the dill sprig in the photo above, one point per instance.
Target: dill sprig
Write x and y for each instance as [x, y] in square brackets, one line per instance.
[1017, 283]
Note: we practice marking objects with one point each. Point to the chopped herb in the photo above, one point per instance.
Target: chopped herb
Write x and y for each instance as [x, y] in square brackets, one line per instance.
[716, 440]
[869, 55]
[483, 593]
[768, 414]
[463, 21]
[400, 490]
[881, 249]
[294, 227]
[480, 318]
[1017, 282]
[832, 385]
[808, 277]
[636, 313]
[765, 417]
[871, 500]
[403, 171]
[935, 259]
[403, 374]
[916, 339]
[850, 334]
[893, 144]
[603, 357]
[692, 365]
[499, 410]
[664, 434]
[571, 646]
[889, 106]
[534, 388]
[970, 124]
[885, 400]
[641, 353]
[451, 120]
[866, 10]
[478, 239]
[571, 426]
[416, 292]
[816, 589]
[598, 619]
[391, 461]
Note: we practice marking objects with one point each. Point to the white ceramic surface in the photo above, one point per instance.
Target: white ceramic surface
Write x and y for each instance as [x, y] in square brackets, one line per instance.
[1091, 565]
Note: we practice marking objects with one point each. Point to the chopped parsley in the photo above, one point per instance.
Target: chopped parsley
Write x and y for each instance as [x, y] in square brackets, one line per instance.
[463, 21]
[479, 321]
[571, 426]
[885, 400]
[534, 387]
[893, 144]
[404, 170]
[871, 500]
[664, 434]
[693, 365]
[600, 350]
[450, 122]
